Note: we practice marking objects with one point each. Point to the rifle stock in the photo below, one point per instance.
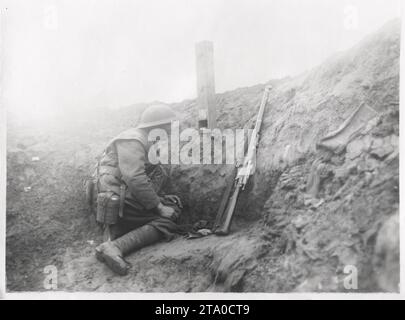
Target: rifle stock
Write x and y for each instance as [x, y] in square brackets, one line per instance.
[223, 230]
[225, 199]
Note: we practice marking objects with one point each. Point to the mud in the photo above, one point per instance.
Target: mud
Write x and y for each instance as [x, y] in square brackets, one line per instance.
[306, 215]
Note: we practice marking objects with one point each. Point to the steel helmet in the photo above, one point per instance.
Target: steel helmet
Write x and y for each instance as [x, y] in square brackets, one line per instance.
[156, 115]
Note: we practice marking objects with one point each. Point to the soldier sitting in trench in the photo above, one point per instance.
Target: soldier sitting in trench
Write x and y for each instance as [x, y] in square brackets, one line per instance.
[127, 187]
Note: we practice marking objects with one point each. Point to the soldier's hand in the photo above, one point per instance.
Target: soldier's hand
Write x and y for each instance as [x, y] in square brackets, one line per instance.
[166, 212]
[175, 199]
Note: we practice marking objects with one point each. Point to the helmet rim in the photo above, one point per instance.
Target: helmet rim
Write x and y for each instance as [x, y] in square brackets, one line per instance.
[155, 123]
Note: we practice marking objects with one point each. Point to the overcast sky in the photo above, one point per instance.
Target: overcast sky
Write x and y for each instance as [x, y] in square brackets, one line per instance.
[74, 54]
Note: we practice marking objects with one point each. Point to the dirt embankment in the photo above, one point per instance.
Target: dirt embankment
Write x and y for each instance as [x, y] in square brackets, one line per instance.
[309, 215]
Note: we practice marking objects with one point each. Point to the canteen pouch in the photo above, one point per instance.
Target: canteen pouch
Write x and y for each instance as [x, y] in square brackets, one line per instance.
[108, 208]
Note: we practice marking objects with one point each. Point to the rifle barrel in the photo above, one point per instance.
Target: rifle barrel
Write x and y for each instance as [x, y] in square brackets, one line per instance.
[259, 118]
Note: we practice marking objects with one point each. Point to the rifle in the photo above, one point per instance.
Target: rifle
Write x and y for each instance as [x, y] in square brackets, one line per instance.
[239, 176]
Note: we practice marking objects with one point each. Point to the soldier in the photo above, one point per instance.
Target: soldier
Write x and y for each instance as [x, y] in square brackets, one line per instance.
[128, 203]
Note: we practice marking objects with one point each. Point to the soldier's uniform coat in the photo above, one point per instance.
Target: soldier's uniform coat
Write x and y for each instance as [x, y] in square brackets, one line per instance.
[125, 161]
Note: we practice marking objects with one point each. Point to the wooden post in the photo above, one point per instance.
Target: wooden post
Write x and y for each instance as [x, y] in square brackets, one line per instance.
[207, 115]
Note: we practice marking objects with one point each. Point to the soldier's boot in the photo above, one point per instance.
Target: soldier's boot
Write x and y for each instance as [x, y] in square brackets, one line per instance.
[111, 255]
[112, 252]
